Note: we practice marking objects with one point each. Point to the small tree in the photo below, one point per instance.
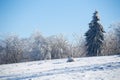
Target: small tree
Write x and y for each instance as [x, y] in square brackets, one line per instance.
[94, 36]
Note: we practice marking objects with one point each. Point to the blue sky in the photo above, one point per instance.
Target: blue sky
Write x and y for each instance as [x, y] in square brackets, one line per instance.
[52, 17]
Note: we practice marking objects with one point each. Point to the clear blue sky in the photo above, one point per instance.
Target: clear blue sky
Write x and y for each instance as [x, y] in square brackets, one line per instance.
[52, 17]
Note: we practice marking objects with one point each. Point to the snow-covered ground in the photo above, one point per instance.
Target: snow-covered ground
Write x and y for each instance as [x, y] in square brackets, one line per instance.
[91, 68]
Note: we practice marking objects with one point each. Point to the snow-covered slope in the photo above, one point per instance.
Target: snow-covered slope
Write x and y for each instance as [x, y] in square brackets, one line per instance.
[91, 68]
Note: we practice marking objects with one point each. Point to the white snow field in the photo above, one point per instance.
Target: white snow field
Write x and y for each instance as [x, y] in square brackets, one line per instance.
[89, 68]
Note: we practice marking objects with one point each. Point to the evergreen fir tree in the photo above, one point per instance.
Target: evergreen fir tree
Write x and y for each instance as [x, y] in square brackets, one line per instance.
[94, 36]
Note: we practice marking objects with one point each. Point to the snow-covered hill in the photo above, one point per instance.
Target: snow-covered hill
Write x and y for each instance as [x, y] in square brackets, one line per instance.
[91, 68]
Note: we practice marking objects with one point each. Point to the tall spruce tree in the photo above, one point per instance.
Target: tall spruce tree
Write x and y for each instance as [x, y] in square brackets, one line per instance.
[94, 36]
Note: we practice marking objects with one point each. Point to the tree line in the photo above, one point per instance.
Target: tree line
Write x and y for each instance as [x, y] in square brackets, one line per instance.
[14, 49]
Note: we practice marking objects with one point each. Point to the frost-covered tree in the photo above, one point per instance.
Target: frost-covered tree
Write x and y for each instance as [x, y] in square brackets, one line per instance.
[110, 45]
[59, 47]
[40, 47]
[117, 34]
[94, 36]
[78, 48]
[13, 49]
[117, 30]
